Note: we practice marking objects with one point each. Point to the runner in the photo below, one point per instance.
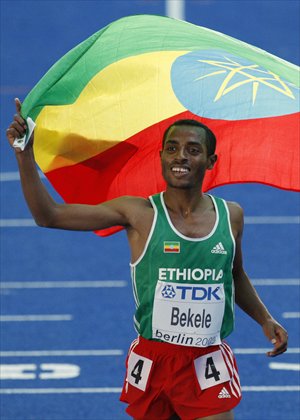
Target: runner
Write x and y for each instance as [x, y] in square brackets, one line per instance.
[187, 271]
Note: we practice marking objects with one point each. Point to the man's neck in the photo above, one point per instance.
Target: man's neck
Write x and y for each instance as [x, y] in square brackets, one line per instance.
[184, 201]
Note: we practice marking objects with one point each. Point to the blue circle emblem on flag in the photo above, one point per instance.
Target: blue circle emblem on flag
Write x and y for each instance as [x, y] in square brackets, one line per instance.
[219, 85]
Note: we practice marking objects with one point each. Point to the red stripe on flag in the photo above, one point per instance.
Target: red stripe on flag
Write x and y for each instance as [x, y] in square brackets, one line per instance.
[259, 150]
[263, 150]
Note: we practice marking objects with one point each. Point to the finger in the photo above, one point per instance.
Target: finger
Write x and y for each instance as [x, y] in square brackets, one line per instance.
[12, 134]
[277, 351]
[18, 105]
[20, 127]
[271, 335]
[20, 120]
[282, 335]
[280, 344]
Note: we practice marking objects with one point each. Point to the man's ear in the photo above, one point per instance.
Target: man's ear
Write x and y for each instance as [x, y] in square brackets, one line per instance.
[212, 161]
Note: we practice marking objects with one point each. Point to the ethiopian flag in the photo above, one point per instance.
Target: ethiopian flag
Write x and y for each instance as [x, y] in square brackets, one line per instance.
[101, 110]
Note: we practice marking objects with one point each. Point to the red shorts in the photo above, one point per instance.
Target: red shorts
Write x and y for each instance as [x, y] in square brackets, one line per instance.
[163, 379]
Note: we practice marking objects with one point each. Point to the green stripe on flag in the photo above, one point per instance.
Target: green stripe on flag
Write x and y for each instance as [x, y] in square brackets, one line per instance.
[135, 35]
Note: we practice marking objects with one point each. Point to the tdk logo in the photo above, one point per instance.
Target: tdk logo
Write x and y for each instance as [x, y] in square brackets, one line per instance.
[168, 291]
[199, 293]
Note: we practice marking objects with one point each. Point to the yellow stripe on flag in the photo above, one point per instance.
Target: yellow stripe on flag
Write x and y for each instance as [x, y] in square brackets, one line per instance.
[123, 99]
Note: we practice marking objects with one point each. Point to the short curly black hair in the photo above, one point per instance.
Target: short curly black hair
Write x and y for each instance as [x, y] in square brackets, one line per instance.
[210, 138]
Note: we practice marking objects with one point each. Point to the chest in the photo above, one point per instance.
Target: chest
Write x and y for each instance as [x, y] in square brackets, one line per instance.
[196, 225]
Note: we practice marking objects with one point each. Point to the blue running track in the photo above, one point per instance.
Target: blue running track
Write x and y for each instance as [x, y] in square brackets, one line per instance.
[66, 302]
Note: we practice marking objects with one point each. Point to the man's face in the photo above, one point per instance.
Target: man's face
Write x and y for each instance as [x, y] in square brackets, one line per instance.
[184, 157]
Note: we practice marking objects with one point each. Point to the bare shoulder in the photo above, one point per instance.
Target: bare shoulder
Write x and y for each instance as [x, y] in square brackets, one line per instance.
[131, 203]
[236, 216]
[134, 209]
[235, 210]
[128, 201]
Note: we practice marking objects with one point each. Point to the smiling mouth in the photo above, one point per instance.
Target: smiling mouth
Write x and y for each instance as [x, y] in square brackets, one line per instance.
[179, 170]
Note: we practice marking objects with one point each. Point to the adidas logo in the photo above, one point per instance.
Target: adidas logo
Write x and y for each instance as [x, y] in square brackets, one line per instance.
[218, 249]
[224, 393]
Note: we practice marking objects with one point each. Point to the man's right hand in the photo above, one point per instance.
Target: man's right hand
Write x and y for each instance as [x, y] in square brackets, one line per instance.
[17, 128]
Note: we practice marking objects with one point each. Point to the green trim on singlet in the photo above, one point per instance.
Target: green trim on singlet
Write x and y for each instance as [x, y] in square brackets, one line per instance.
[195, 253]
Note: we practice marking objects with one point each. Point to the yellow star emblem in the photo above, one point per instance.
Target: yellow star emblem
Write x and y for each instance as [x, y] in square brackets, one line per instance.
[251, 73]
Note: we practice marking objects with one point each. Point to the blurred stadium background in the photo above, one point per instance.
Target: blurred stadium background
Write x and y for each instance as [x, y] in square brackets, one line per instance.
[66, 304]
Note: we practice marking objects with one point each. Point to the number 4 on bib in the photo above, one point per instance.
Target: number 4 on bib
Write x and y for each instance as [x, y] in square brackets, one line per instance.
[211, 370]
[138, 370]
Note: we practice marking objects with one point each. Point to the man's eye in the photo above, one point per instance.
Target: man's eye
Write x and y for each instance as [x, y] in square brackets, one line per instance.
[171, 148]
[194, 150]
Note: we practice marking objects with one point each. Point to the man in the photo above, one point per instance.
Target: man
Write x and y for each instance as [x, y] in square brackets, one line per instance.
[187, 268]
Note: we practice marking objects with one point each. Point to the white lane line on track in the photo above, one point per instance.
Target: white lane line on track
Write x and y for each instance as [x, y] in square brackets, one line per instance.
[262, 388]
[117, 283]
[272, 220]
[14, 176]
[255, 220]
[43, 371]
[55, 353]
[291, 315]
[106, 390]
[61, 284]
[284, 366]
[34, 318]
[115, 352]
[292, 350]
[17, 223]
[275, 282]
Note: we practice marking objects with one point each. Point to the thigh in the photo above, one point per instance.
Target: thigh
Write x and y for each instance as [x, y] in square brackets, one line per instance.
[143, 386]
[228, 415]
[208, 386]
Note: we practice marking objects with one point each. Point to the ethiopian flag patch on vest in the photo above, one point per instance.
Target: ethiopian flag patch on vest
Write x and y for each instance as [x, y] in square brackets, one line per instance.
[171, 246]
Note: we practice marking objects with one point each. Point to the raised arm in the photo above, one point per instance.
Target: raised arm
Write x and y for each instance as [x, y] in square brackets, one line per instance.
[49, 213]
[246, 296]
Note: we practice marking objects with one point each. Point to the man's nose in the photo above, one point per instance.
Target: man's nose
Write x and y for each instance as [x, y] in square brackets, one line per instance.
[181, 153]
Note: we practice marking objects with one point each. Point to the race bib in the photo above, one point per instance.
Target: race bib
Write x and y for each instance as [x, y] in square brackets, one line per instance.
[138, 370]
[211, 370]
[188, 314]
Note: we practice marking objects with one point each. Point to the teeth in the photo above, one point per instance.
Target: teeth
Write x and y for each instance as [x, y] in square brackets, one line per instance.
[180, 170]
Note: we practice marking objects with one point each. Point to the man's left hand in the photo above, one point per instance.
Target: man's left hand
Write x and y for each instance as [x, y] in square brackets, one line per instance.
[277, 335]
